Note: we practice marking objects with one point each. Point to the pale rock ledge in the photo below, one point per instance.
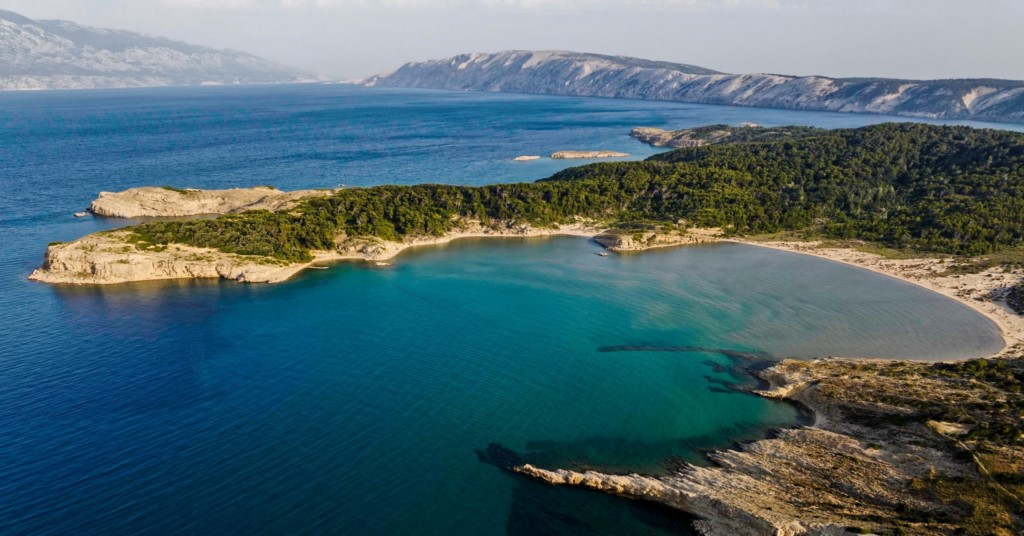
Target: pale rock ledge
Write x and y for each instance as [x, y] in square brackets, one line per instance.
[158, 201]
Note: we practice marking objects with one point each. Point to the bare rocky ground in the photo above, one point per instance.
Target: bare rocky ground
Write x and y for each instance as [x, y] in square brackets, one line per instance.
[896, 448]
[164, 201]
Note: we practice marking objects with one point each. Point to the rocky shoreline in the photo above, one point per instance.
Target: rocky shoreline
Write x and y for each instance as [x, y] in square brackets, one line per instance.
[166, 201]
[111, 257]
[882, 457]
[569, 155]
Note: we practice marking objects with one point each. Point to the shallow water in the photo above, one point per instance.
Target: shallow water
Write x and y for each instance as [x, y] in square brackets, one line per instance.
[355, 399]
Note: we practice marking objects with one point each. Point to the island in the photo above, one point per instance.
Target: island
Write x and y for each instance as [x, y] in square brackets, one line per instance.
[894, 448]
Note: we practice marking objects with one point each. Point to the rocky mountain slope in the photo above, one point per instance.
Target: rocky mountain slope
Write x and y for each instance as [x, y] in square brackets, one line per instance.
[571, 73]
[54, 54]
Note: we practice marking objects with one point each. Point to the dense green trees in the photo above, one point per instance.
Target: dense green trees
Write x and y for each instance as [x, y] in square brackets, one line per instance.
[944, 189]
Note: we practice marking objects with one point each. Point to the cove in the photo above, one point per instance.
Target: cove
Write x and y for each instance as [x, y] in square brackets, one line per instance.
[356, 398]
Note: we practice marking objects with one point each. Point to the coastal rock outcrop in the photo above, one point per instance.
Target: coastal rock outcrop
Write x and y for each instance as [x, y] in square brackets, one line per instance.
[555, 72]
[874, 460]
[153, 201]
[560, 155]
[626, 240]
[110, 257]
[715, 134]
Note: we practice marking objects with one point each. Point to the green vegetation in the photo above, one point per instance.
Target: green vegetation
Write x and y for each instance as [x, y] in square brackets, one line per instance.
[173, 189]
[953, 190]
[981, 402]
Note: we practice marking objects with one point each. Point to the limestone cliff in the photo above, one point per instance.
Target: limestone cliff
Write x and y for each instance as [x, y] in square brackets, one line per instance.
[110, 257]
[581, 74]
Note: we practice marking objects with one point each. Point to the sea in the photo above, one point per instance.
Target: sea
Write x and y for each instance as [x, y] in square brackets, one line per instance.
[385, 400]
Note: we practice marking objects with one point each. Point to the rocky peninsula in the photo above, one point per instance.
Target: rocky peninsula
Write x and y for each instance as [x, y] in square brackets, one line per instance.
[566, 155]
[166, 201]
[121, 256]
[718, 134]
[896, 448]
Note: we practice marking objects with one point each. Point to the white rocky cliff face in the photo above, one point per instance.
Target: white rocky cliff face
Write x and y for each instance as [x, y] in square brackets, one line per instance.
[571, 73]
[53, 54]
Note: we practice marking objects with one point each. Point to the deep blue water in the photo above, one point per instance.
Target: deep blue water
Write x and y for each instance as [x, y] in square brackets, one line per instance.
[354, 400]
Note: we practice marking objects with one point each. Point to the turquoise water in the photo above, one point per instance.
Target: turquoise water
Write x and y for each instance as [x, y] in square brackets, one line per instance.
[356, 399]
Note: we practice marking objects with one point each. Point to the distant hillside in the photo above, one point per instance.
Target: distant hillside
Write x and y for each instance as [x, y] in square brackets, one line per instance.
[52, 54]
[571, 73]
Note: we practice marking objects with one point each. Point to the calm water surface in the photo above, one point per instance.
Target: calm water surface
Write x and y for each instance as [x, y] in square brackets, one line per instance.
[355, 399]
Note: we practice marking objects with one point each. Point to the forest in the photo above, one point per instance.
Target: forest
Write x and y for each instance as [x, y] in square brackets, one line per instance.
[944, 189]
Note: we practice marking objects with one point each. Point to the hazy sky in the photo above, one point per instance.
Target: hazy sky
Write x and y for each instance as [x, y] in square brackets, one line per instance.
[356, 38]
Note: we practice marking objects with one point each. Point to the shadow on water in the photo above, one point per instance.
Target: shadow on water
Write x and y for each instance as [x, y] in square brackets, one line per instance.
[539, 508]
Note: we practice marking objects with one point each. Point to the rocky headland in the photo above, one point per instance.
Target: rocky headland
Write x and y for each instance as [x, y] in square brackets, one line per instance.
[628, 239]
[896, 448]
[560, 155]
[165, 201]
[121, 256]
[717, 134]
[116, 257]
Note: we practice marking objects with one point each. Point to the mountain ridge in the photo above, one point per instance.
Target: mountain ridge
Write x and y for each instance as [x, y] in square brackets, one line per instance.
[60, 54]
[555, 72]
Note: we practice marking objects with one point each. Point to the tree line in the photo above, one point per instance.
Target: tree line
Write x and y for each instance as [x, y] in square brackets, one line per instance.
[946, 189]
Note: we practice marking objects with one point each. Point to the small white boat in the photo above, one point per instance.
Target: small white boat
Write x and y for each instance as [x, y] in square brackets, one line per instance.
[602, 253]
[81, 214]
